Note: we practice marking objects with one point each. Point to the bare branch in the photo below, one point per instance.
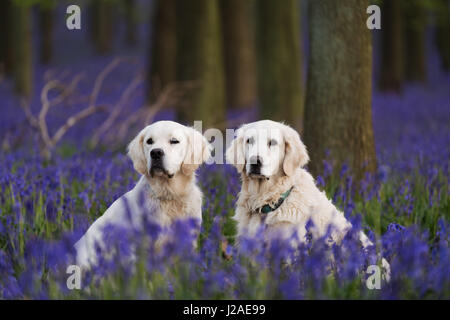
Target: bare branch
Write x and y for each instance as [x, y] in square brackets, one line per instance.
[100, 78]
[74, 120]
[32, 120]
[170, 95]
[47, 103]
[126, 95]
[40, 122]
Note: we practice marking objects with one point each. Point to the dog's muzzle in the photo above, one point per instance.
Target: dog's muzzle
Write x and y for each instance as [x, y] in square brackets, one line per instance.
[255, 165]
[157, 167]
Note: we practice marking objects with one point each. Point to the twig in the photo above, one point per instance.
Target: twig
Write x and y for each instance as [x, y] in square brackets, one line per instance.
[47, 104]
[40, 122]
[169, 95]
[73, 120]
[101, 77]
[32, 120]
[108, 123]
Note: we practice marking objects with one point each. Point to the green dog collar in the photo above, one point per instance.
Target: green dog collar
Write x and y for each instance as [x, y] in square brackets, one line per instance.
[267, 208]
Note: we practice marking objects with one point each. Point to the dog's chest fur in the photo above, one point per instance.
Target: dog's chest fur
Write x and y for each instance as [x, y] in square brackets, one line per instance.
[295, 210]
[174, 199]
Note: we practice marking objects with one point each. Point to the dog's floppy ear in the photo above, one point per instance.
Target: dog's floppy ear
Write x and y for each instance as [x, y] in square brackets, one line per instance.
[136, 153]
[295, 151]
[198, 151]
[235, 152]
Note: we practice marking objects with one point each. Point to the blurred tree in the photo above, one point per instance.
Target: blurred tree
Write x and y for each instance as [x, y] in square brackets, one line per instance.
[338, 115]
[239, 50]
[279, 61]
[199, 59]
[130, 19]
[6, 34]
[22, 46]
[46, 28]
[443, 33]
[392, 71]
[102, 24]
[415, 57]
[162, 66]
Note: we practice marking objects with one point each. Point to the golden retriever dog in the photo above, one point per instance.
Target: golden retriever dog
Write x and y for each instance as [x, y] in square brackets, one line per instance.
[166, 154]
[277, 193]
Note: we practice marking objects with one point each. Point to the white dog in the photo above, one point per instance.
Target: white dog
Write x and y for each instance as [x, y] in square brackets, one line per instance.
[166, 154]
[277, 193]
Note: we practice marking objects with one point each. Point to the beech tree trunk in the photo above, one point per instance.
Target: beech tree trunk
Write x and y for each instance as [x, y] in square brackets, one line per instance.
[415, 24]
[443, 34]
[46, 26]
[162, 65]
[102, 25]
[130, 19]
[6, 38]
[200, 59]
[279, 61]
[240, 56]
[338, 114]
[392, 63]
[22, 44]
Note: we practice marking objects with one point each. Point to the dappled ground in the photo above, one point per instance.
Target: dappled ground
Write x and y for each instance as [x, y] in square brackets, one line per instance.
[46, 205]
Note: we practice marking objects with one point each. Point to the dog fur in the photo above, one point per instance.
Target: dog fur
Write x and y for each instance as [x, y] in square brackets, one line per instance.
[169, 188]
[285, 170]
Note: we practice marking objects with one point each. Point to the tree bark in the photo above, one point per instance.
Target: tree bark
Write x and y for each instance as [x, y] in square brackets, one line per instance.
[102, 24]
[279, 61]
[130, 19]
[200, 59]
[443, 34]
[239, 50]
[415, 62]
[22, 50]
[6, 38]
[93, 21]
[338, 117]
[46, 26]
[392, 49]
[162, 66]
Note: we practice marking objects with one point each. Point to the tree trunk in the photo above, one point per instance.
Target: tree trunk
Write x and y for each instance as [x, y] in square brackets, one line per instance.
[279, 61]
[102, 22]
[6, 38]
[415, 62]
[46, 26]
[130, 19]
[93, 21]
[338, 115]
[22, 50]
[200, 60]
[239, 50]
[443, 34]
[162, 66]
[392, 48]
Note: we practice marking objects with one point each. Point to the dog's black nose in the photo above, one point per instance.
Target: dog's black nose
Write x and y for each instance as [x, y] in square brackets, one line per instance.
[256, 161]
[156, 153]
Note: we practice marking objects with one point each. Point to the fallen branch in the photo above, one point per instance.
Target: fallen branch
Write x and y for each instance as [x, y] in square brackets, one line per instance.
[170, 95]
[110, 120]
[40, 122]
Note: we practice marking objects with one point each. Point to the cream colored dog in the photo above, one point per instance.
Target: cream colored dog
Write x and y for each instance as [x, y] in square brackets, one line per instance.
[166, 154]
[277, 194]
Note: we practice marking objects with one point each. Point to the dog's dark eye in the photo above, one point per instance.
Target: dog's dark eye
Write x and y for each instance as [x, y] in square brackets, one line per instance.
[174, 141]
[272, 142]
[250, 140]
[149, 141]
